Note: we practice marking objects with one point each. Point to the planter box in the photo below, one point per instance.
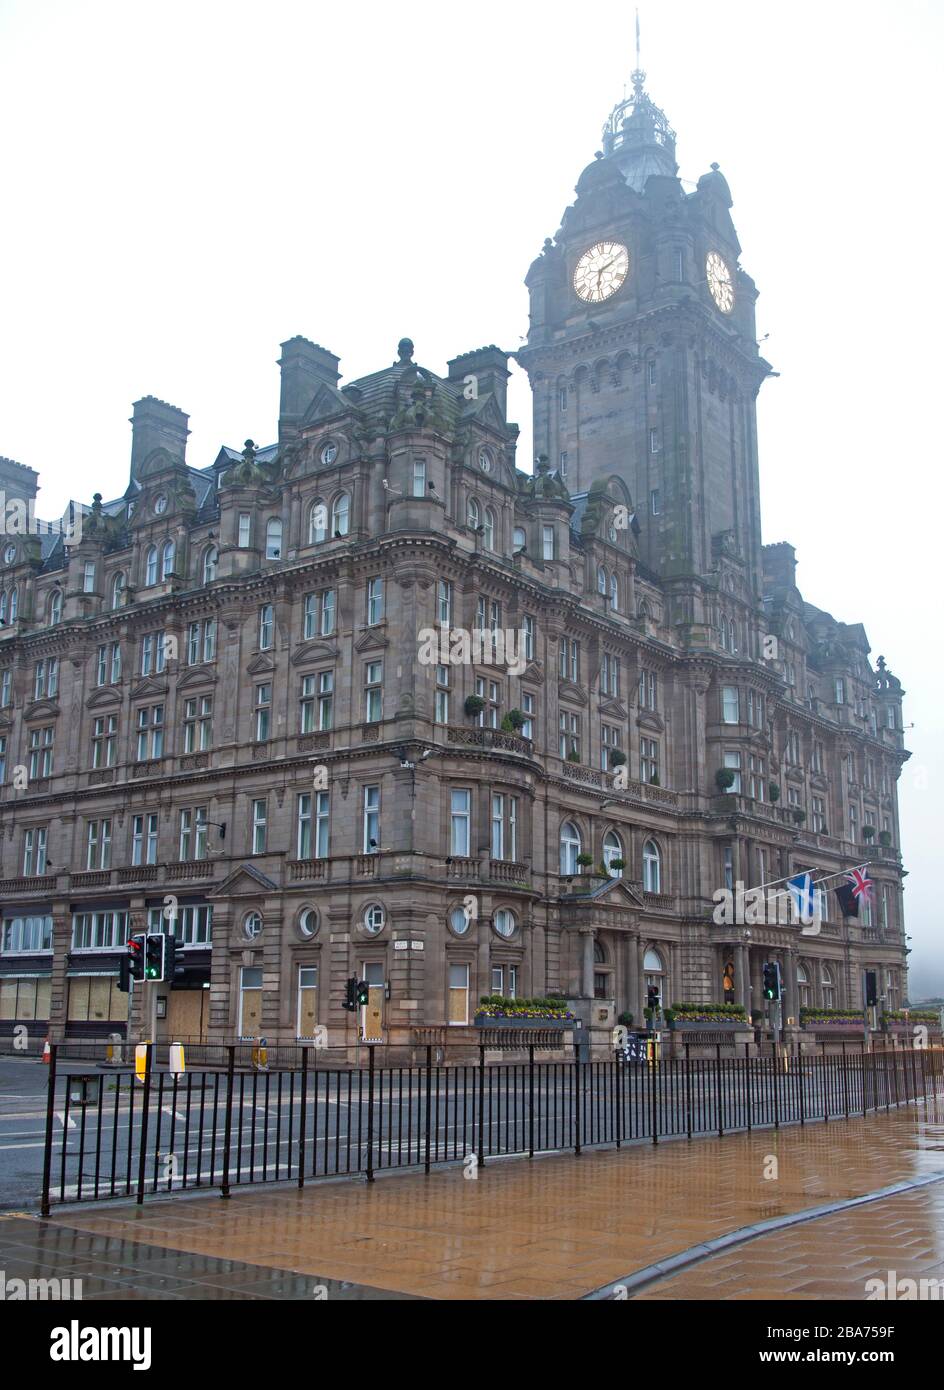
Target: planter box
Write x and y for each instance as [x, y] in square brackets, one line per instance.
[834, 1026]
[481, 1021]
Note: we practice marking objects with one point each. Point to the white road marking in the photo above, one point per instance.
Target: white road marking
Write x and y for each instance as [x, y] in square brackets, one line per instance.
[61, 1117]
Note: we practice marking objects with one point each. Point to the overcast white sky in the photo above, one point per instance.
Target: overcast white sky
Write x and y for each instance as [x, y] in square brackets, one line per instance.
[186, 185]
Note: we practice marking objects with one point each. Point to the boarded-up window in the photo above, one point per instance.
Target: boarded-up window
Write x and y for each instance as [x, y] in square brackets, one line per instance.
[458, 994]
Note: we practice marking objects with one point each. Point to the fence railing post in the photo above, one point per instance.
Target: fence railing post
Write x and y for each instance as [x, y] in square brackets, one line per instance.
[228, 1126]
[303, 1117]
[653, 1078]
[142, 1156]
[428, 1106]
[480, 1150]
[50, 1120]
[719, 1090]
[578, 1100]
[531, 1101]
[370, 1113]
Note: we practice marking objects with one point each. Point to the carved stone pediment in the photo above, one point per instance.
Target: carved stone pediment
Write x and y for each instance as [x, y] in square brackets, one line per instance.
[534, 673]
[648, 719]
[371, 639]
[317, 649]
[197, 675]
[568, 691]
[260, 665]
[107, 696]
[246, 881]
[149, 687]
[613, 709]
[41, 709]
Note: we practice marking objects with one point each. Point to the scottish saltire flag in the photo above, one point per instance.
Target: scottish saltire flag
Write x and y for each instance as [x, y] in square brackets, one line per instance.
[801, 889]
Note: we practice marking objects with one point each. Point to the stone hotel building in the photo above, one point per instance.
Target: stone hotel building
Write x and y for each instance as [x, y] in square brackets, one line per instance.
[215, 709]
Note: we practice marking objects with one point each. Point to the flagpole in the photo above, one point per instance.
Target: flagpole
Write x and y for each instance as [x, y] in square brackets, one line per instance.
[842, 873]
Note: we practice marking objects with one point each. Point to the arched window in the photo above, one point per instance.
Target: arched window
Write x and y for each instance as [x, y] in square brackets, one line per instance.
[734, 636]
[273, 539]
[55, 607]
[317, 522]
[150, 572]
[520, 538]
[14, 603]
[341, 515]
[569, 849]
[210, 558]
[167, 559]
[489, 529]
[829, 987]
[473, 514]
[3, 606]
[651, 867]
[654, 969]
[803, 985]
[613, 849]
[724, 632]
[117, 589]
[614, 592]
[601, 580]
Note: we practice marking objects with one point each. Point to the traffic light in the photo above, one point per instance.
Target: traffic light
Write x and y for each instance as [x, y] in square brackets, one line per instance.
[771, 980]
[363, 994]
[871, 988]
[131, 966]
[154, 956]
[173, 968]
[350, 998]
[652, 997]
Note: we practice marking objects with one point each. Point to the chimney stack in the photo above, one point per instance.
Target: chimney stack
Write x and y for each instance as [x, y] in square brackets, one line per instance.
[305, 366]
[489, 366]
[156, 425]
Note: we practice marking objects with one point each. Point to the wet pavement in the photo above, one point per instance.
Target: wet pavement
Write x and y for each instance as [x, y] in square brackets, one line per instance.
[560, 1227]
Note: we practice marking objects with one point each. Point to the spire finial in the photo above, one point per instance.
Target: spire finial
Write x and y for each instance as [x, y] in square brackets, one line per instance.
[639, 76]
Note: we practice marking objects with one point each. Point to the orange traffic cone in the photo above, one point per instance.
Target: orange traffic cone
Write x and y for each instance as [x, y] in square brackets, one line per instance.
[46, 1052]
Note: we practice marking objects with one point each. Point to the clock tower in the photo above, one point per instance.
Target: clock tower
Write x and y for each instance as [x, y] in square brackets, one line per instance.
[642, 351]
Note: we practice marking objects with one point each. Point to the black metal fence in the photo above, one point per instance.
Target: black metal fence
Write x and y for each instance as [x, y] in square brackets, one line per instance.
[113, 1134]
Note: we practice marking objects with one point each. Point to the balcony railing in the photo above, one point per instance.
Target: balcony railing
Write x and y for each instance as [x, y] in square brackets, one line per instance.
[138, 873]
[191, 868]
[37, 883]
[308, 869]
[94, 878]
[494, 739]
[507, 871]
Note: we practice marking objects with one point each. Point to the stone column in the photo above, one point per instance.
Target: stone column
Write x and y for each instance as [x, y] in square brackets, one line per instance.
[587, 938]
[632, 979]
[791, 986]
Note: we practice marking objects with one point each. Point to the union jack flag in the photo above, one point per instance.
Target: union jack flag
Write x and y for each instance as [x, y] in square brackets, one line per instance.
[862, 885]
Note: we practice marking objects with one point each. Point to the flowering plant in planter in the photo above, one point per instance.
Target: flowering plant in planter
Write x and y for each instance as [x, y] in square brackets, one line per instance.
[912, 1016]
[707, 1013]
[838, 1016]
[497, 1006]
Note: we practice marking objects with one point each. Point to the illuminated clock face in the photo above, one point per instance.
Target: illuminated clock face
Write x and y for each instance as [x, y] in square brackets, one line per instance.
[601, 271]
[719, 282]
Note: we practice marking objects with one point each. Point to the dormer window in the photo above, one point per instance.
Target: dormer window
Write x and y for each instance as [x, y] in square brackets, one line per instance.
[329, 453]
[485, 461]
[160, 504]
